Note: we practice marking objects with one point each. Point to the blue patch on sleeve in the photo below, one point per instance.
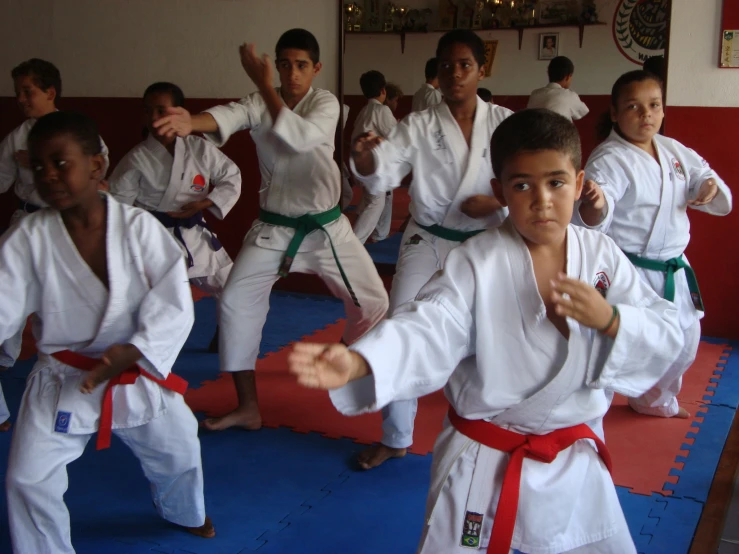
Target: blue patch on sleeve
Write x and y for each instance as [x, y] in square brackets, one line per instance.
[62, 422]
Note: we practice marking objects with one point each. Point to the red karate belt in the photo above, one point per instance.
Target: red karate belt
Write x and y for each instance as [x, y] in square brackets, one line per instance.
[127, 377]
[543, 448]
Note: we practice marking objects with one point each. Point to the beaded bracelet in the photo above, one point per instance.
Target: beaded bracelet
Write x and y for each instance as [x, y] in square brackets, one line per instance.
[605, 329]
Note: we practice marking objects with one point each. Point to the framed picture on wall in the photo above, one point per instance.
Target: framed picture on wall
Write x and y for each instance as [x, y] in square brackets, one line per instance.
[552, 12]
[548, 46]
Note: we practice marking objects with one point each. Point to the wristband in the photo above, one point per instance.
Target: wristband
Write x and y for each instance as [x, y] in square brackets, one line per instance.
[610, 321]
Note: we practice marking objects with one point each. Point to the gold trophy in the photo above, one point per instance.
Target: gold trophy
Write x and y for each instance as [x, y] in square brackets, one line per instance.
[357, 18]
[400, 15]
[349, 17]
[389, 16]
[477, 14]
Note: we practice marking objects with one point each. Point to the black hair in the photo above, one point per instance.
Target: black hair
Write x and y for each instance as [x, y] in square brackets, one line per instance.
[393, 91]
[532, 131]
[372, 83]
[467, 38]
[431, 71]
[560, 68]
[656, 66]
[299, 39]
[485, 94]
[175, 92]
[80, 127]
[605, 125]
[44, 74]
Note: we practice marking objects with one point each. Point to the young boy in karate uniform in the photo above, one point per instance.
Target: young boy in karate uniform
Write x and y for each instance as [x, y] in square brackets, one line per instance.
[377, 118]
[171, 177]
[113, 308]
[530, 328]
[38, 86]
[448, 149]
[640, 186]
[300, 227]
[557, 95]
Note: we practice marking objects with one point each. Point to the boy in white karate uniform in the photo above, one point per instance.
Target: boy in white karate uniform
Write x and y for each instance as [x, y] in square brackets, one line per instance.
[640, 186]
[38, 85]
[448, 149]
[377, 118]
[113, 307]
[557, 95]
[530, 328]
[172, 177]
[300, 227]
[428, 95]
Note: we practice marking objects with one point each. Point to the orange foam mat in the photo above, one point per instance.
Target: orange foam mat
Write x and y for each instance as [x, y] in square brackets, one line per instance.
[644, 448]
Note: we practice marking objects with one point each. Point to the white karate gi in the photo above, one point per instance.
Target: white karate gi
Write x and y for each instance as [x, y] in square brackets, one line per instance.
[563, 101]
[375, 210]
[425, 97]
[647, 215]
[480, 329]
[21, 179]
[151, 178]
[347, 193]
[148, 304]
[445, 173]
[299, 176]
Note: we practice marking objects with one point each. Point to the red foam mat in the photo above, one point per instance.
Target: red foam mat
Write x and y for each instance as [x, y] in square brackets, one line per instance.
[643, 448]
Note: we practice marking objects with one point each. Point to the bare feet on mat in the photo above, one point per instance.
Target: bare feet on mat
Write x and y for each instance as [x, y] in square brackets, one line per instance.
[5, 426]
[682, 413]
[244, 418]
[206, 530]
[378, 454]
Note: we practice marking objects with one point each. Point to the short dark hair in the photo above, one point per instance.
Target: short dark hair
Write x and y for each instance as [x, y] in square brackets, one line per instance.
[532, 131]
[637, 76]
[393, 91]
[372, 83]
[656, 66]
[44, 74]
[175, 92]
[299, 39]
[431, 71]
[80, 127]
[467, 38]
[560, 68]
[485, 94]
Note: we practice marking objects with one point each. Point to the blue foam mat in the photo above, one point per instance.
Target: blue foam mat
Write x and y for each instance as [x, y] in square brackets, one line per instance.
[276, 491]
[385, 251]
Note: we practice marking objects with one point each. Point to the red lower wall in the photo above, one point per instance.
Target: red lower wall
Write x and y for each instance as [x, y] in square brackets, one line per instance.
[712, 252]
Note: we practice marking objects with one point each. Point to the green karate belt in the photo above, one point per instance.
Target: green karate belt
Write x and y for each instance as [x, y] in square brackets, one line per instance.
[669, 267]
[304, 225]
[449, 234]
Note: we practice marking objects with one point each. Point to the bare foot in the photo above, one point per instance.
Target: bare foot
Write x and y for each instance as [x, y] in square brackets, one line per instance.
[245, 418]
[378, 454]
[206, 530]
[5, 426]
[682, 413]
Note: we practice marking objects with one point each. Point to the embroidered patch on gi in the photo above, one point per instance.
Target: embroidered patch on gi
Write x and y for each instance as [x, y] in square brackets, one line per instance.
[602, 283]
[679, 171]
[472, 530]
[198, 183]
[62, 422]
[415, 239]
[697, 301]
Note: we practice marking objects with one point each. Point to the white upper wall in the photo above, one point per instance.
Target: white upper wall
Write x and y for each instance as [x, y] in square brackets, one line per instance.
[515, 72]
[119, 47]
[694, 78]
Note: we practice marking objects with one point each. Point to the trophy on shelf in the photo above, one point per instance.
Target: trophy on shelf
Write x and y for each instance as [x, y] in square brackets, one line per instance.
[357, 18]
[390, 9]
[492, 7]
[400, 16]
[425, 19]
[464, 15]
[349, 17]
[477, 14]
[412, 19]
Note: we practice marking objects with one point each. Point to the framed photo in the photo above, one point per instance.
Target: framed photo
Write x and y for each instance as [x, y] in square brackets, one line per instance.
[548, 46]
[552, 12]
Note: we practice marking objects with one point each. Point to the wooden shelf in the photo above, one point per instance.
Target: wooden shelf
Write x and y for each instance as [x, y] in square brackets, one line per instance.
[521, 29]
